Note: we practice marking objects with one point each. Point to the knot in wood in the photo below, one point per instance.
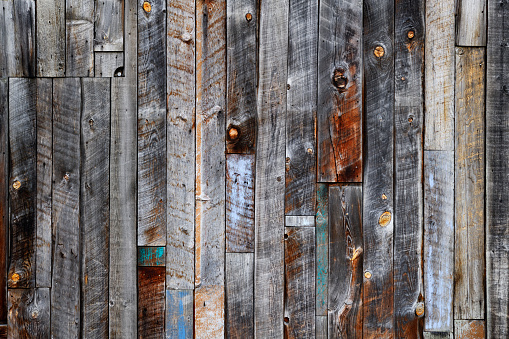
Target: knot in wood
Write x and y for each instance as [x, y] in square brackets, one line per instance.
[16, 185]
[410, 34]
[379, 51]
[419, 309]
[249, 17]
[66, 176]
[35, 314]
[339, 80]
[147, 7]
[15, 277]
[367, 275]
[233, 133]
[385, 219]
[310, 151]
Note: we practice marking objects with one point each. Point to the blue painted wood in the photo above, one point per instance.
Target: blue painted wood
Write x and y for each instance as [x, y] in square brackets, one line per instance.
[179, 314]
[151, 256]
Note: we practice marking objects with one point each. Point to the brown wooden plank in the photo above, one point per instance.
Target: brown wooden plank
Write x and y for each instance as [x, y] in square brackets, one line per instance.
[29, 313]
[471, 22]
[4, 191]
[79, 42]
[469, 329]
[50, 20]
[109, 25]
[151, 302]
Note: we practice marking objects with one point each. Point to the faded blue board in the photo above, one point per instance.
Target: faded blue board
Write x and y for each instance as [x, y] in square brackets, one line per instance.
[179, 314]
[151, 256]
[322, 248]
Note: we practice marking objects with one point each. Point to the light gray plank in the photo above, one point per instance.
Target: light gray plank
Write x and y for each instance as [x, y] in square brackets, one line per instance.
[300, 220]
[79, 42]
[109, 64]
[109, 25]
[50, 17]
[438, 335]
[471, 22]
[239, 295]
[469, 329]
[321, 327]
[4, 193]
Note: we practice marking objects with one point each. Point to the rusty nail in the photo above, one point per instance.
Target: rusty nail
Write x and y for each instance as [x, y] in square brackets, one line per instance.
[402, 78]
[410, 34]
[310, 151]
[15, 277]
[66, 176]
[249, 17]
[147, 7]
[16, 184]
[367, 274]
[379, 51]
[384, 197]
[410, 119]
[419, 309]
[233, 133]
[385, 219]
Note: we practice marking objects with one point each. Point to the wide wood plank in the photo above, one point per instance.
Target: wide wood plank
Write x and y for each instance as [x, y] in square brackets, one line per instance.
[270, 169]
[340, 82]
[109, 25]
[408, 195]
[65, 291]
[29, 313]
[4, 194]
[240, 202]
[471, 22]
[108, 64]
[50, 20]
[151, 302]
[79, 42]
[239, 295]
[469, 329]
[322, 249]
[179, 314]
[242, 29]
[151, 256]
[438, 240]
[22, 181]
[151, 124]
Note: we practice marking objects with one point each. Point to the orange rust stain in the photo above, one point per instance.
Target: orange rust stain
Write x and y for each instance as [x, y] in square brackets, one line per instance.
[385, 219]
[249, 17]
[410, 34]
[233, 133]
[147, 7]
[15, 277]
[379, 51]
[469, 329]
[209, 312]
[367, 275]
[16, 184]
[419, 309]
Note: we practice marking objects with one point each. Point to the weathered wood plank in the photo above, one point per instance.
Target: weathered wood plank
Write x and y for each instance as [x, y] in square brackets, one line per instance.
[151, 124]
[340, 82]
[240, 202]
[469, 184]
[322, 249]
[4, 195]
[79, 32]
[300, 220]
[23, 181]
[3, 331]
[151, 302]
[299, 304]
[44, 107]
[8, 53]
[438, 240]
[239, 295]
[181, 134]
[241, 41]
[94, 206]
[408, 195]
[321, 327]
[270, 169]
[469, 329]
[378, 196]
[497, 180]
[151, 256]
[438, 335]
[471, 22]
[50, 19]
[29, 313]
[108, 64]
[439, 75]
[345, 266]
[65, 291]
[179, 314]
[300, 180]
[109, 26]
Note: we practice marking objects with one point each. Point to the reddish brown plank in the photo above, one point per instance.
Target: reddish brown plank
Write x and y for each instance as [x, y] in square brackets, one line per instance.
[151, 302]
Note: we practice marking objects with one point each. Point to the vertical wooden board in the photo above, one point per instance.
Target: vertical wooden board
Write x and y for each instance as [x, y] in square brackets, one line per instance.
[322, 249]
[240, 202]
[299, 303]
[209, 312]
[151, 256]
[239, 295]
[151, 302]
[469, 329]
[4, 190]
[79, 42]
[497, 180]
[44, 107]
[345, 265]
[270, 169]
[151, 124]
[179, 314]
[109, 26]
[23, 182]
[29, 313]
[180, 103]
[340, 84]
[8, 50]
[471, 22]
[242, 29]
[469, 184]
[3, 331]
[438, 240]
[108, 64]
[439, 75]
[321, 327]
[94, 206]
[50, 22]
[378, 197]
[408, 196]
[65, 291]
[300, 220]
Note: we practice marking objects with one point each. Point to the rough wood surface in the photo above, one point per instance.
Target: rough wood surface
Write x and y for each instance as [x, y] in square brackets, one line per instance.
[471, 22]
[109, 25]
[4, 190]
[179, 314]
[50, 21]
[29, 313]
[108, 64]
[240, 202]
[151, 302]
[322, 248]
[340, 83]
[321, 327]
[151, 256]
[300, 220]
[469, 329]
[79, 42]
[438, 335]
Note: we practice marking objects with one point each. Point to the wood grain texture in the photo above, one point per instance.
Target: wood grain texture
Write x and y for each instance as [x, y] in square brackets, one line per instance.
[109, 25]
[79, 42]
[438, 335]
[321, 327]
[300, 220]
[322, 249]
[65, 287]
[242, 29]
[108, 64]
[270, 169]
[469, 329]
[340, 83]
[4, 196]
[239, 295]
[209, 309]
[181, 134]
[378, 195]
[44, 108]
[438, 240]
[240, 202]
[95, 206]
[469, 183]
[151, 256]
[408, 195]
[151, 302]
[471, 22]
[152, 124]
[50, 22]
[22, 181]
[345, 266]
[439, 75]
[29, 313]
[301, 94]
[179, 314]
[497, 157]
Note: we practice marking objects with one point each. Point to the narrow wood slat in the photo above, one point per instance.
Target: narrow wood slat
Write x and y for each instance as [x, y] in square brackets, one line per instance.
[65, 290]
[151, 256]
[29, 313]
[408, 195]
[438, 240]
[300, 220]
[151, 302]
[79, 41]
[321, 327]
[179, 314]
[240, 202]
[50, 21]
[4, 191]
[151, 124]
[3, 331]
[22, 181]
[469, 184]
[108, 64]
[438, 335]
[242, 29]
[322, 249]
[239, 295]
[109, 25]
[471, 22]
[340, 83]
[181, 134]
[469, 329]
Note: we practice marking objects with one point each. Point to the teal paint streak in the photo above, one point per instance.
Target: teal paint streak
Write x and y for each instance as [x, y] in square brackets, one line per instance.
[151, 256]
[322, 248]
[179, 314]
